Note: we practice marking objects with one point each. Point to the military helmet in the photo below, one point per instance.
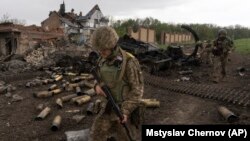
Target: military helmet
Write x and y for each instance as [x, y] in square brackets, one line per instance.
[104, 38]
[222, 32]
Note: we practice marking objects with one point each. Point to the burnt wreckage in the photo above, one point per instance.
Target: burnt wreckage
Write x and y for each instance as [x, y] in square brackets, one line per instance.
[154, 59]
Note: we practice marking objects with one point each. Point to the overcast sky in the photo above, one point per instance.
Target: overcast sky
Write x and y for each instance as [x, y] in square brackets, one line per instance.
[219, 12]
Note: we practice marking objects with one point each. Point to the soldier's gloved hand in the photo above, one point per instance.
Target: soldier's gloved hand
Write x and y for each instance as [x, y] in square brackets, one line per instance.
[99, 90]
[125, 119]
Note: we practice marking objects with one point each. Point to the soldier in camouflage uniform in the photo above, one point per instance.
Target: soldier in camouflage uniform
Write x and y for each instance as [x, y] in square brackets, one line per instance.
[222, 46]
[121, 72]
[206, 53]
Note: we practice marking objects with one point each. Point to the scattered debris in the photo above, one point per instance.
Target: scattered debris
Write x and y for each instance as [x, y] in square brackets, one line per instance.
[241, 74]
[97, 106]
[185, 72]
[5, 88]
[157, 59]
[90, 109]
[56, 123]
[73, 111]
[43, 113]
[2, 83]
[31, 84]
[59, 102]
[81, 135]
[37, 58]
[78, 118]
[8, 94]
[84, 99]
[185, 78]
[43, 94]
[8, 124]
[227, 114]
[16, 66]
[241, 71]
[177, 80]
[151, 103]
[16, 98]
[67, 98]
[40, 107]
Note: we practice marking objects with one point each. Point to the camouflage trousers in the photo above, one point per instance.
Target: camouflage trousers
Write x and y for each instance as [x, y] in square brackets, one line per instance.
[219, 67]
[104, 128]
[206, 56]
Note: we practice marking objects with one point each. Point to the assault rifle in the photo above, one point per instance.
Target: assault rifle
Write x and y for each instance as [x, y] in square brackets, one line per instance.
[110, 98]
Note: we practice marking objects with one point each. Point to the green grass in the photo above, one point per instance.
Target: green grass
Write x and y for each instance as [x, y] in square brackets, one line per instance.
[163, 46]
[242, 46]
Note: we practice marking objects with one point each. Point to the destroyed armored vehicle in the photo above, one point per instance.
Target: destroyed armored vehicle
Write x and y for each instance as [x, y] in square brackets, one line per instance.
[154, 59]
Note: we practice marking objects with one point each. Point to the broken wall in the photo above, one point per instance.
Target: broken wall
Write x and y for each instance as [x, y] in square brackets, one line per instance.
[23, 44]
[151, 36]
[9, 42]
[143, 34]
[2, 46]
[52, 23]
[168, 38]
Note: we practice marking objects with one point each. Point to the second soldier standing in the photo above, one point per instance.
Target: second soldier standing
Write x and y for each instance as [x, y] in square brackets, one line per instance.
[222, 46]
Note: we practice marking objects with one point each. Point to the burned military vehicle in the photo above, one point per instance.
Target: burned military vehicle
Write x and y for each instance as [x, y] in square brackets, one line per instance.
[154, 59]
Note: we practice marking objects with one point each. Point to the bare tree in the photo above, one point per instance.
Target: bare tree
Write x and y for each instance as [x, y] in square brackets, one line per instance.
[7, 18]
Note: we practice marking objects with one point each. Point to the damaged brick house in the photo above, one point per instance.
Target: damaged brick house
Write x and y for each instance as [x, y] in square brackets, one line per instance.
[76, 26]
[17, 39]
[9, 38]
[93, 19]
[61, 20]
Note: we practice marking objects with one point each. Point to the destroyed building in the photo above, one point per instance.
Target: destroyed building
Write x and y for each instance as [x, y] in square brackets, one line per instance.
[78, 27]
[8, 40]
[17, 39]
[93, 19]
[61, 20]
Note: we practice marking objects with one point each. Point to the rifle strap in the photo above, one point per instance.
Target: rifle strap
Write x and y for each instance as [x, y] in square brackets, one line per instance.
[124, 63]
[125, 58]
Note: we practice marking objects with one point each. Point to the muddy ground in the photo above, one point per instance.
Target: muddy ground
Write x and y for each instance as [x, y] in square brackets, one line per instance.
[17, 118]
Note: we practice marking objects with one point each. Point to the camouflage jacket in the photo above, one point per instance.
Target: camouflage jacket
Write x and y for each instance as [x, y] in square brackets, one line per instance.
[222, 46]
[131, 84]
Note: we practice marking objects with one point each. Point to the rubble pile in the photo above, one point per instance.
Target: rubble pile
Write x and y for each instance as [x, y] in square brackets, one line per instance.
[40, 57]
[3, 67]
[13, 63]
[24, 40]
[6, 88]
[16, 66]
[49, 54]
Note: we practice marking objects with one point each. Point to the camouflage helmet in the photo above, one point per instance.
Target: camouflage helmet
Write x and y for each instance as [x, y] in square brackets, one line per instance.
[222, 32]
[104, 38]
